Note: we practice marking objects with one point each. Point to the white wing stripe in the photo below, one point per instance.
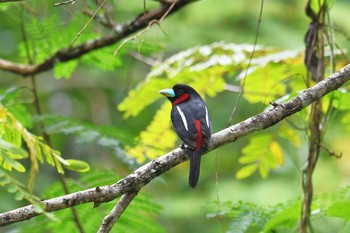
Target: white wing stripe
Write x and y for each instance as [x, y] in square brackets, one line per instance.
[207, 116]
[182, 117]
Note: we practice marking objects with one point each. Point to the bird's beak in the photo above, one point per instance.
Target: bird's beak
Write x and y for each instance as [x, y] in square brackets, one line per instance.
[167, 92]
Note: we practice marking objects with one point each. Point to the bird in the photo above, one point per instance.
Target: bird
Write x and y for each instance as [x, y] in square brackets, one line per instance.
[192, 123]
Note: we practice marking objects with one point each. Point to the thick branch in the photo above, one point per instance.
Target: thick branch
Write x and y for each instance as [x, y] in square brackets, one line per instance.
[71, 53]
[158, 166]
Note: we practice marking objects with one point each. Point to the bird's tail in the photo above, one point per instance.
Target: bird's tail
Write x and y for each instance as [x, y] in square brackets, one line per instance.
[195, 162]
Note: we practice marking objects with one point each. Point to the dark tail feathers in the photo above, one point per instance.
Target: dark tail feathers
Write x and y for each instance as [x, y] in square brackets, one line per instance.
[195, 162]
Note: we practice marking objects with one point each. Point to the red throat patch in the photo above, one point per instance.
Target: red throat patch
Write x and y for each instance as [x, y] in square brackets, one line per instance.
[182, 98]
[199, 137]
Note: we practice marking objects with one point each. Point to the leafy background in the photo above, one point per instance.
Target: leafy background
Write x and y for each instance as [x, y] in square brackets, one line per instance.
[105, 110]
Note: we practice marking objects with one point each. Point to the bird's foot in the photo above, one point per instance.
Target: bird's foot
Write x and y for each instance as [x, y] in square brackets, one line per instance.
[185, 147]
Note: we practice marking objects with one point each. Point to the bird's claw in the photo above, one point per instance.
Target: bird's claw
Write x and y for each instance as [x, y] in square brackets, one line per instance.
[185, 147]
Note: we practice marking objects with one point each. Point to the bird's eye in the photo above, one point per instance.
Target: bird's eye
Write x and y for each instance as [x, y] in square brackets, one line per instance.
[180, 90]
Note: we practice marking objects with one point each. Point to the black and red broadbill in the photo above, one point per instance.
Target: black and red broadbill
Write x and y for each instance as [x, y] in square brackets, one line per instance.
[191, 120]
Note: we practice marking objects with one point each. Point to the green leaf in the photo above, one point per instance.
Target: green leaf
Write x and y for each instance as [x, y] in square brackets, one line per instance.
[57, 162]
[287, 218]
[46, 150]
[103, 59]
[57, 155]
[246, 171]
[77, 165]
[16, 152]
[276, 152]
[264, 169]
[10, 163]
[249, 158]
[19, 196]
[341, 100]
[263, 152]
[5, 180]
[39, 153]
[65, 69]
[12, 188]
[39, 207]
[316, 5]
[21, 114]
[339, 209]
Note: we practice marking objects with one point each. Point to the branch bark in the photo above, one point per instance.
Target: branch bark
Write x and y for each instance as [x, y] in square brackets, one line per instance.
[145, 174]
[109, 221]
[3, 1]
[71, 53]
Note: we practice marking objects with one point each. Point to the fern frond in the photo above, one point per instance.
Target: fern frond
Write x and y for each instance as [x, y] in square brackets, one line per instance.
[245, 216]
[336, 204]
[19, 191]
[108, 137]
[58, 34]
[283, 217]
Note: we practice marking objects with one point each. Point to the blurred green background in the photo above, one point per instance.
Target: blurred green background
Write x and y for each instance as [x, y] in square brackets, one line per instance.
[92, 95]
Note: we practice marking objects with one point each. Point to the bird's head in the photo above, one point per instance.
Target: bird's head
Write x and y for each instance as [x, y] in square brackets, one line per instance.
[179, 93]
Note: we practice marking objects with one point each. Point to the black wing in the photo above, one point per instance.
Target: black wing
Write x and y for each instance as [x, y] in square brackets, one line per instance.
[183, 117]
[201, 113]
[184, 124]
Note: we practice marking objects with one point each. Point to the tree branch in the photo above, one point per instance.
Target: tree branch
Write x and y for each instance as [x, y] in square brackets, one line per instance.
[3, 1]
[116, 212]
[143, 175]
[71, 53]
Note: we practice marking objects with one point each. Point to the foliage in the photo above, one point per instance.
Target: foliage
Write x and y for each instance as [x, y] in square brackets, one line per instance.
[274, 75]
[283, 217]
[13, 136]
[51, 28]
[207, 69]
[204, 68]
[264, 152]
[138, 217]
[246, 216]
[19, 190]
[108, 137]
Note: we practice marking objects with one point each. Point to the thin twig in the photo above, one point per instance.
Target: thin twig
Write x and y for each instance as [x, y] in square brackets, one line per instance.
[103, 20]
[249, 63]
[151, 23]
[144, 7]
[64, 3]
[87, 24]
[113, 216]
[331, 153]
[221, 220]
[146, 60]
